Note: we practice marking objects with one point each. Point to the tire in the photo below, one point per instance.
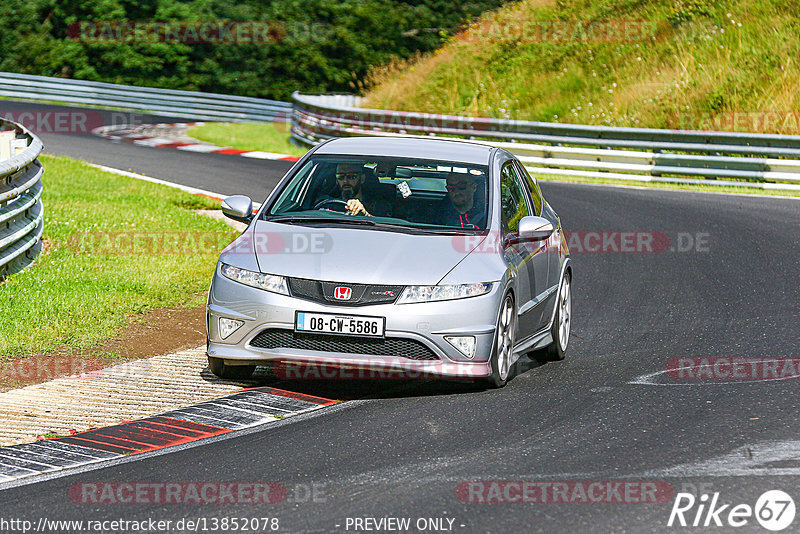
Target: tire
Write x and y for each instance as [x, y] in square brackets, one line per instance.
[562, 323]
[502, 348]
[230, 372]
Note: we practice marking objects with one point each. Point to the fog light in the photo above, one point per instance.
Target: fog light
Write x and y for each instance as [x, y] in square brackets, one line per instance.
[464, 344]
[228, 326]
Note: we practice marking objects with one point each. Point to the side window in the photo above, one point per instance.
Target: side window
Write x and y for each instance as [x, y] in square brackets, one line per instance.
[514, 207]
[533, 189]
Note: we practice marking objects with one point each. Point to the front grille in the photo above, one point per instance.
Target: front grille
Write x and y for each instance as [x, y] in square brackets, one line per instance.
[275, 338]
[363, 294]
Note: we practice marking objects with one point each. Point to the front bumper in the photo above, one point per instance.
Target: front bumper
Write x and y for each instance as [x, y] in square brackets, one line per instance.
[424, 323]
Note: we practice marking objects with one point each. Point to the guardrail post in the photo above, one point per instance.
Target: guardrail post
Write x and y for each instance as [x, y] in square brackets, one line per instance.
[21, 210]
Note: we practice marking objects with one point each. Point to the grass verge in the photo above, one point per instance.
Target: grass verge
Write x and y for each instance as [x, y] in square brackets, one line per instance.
[115, 248]
[268, 137]
[685, 64]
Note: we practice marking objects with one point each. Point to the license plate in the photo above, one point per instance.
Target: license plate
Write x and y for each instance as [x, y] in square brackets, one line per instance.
[330, 323]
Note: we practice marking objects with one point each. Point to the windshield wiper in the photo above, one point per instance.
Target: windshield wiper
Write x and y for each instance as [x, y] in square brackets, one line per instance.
[291, 218]
[347, 221]
[300, 219]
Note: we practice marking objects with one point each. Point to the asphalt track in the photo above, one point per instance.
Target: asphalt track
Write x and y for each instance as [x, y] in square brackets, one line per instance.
[606, 413]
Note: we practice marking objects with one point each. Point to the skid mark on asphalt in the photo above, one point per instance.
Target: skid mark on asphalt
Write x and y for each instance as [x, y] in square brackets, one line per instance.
[247, 408]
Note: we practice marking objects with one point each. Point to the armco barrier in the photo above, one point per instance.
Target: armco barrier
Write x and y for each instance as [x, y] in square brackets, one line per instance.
[166, 102]
[21, 211]
[765, 161]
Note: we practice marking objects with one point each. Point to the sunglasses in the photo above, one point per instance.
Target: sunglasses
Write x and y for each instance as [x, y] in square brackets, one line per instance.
[458, 187]
[347, 175]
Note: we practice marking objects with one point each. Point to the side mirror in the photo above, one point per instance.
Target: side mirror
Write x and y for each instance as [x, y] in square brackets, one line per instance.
[535, 228]
[239, 208]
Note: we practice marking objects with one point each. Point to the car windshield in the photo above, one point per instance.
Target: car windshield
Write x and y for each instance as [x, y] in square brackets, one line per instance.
[385, 192]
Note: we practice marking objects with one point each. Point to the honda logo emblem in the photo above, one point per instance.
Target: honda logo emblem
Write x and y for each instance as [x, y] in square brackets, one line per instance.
[342, 293]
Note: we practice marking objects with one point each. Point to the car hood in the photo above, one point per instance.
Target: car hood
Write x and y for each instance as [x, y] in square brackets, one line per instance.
[354, 255]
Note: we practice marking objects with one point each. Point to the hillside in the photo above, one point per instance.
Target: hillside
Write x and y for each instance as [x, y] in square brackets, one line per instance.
[263, 48]
[689, 64]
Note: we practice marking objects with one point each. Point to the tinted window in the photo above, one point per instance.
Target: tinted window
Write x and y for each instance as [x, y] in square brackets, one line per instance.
[514, 207]
[533, 189]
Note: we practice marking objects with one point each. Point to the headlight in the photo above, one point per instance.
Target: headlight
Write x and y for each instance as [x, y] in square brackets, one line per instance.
[451, 292]
[267, 282]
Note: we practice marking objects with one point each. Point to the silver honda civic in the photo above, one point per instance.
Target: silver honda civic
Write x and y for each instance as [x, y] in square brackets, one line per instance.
[393, 257]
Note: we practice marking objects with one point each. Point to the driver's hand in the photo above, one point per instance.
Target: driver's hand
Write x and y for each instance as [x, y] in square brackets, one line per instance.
[355, 207]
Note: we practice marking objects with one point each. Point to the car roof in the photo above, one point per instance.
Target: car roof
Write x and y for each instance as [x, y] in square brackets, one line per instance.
[409, 147]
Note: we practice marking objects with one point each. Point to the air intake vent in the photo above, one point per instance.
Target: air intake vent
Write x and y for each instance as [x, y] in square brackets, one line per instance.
[275, 338]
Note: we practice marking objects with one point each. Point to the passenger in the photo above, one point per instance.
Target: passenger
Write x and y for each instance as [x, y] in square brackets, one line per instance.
[460, 207]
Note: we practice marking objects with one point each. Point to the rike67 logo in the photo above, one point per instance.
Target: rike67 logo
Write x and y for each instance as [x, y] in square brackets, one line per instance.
[774, 510]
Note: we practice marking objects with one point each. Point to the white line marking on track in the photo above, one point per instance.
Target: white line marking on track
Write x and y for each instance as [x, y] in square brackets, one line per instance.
[184, 188]
[650, 380]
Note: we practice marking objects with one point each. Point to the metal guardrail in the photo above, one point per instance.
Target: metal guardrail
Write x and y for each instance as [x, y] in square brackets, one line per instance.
[166, 102]
[21, 210]
[765, 161]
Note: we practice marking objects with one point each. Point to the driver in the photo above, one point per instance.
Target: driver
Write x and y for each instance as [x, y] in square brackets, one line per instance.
[350, 178]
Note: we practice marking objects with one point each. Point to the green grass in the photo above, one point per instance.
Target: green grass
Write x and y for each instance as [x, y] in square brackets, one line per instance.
[268, 137]
[101, 265]
[688, 64]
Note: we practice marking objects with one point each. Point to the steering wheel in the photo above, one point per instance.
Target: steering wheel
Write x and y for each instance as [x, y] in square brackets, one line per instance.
[332, 204]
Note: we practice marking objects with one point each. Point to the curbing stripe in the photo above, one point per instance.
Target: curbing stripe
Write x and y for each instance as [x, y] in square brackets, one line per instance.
[128, 134]
[311, 399]
[23, 455]
[226, 418]
[178, 424]
[99, 444]
[11, 471]
[17, 461]
[271, 405]
[68, 451]
[42, 457]
[200, 148]
[242, 409]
